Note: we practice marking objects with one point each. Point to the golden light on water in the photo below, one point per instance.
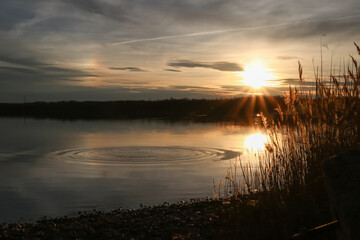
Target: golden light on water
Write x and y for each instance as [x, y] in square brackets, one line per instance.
[255, 142]
[257, 76]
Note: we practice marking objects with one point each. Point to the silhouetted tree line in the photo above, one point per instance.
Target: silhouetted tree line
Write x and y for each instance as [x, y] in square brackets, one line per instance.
[234, 109]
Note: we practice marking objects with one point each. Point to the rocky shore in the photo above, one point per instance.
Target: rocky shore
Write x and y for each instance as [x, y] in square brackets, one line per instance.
[251, 217]
[185, 220]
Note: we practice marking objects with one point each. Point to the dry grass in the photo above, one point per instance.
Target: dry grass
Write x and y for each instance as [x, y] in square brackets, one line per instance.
[309, 128]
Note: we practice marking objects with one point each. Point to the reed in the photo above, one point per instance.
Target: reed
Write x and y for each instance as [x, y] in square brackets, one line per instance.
[309, 127]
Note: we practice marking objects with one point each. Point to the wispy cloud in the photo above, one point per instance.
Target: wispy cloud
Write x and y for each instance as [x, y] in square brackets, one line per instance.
[183, 87]
[31, 71]
[25, 61]
[131, 69]
[291, 24]
[171, 70]
[172, 36]
[18, 70]
[221, 66]
[101, 8]
[287, 57]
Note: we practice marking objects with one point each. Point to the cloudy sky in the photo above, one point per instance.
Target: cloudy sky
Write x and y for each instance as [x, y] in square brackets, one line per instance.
[55, 50]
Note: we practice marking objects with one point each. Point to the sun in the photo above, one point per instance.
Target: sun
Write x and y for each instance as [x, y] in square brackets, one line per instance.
[257, 76]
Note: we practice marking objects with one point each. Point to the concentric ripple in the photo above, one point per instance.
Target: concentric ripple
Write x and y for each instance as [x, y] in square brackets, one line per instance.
[143, 155]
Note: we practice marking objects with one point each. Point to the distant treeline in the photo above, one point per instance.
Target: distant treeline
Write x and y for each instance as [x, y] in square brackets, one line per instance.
[234, 109]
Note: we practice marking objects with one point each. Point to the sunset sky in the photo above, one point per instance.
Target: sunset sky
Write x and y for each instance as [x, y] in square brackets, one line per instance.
[55, 50]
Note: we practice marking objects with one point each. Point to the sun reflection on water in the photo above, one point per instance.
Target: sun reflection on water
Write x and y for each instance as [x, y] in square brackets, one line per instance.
[255, 142]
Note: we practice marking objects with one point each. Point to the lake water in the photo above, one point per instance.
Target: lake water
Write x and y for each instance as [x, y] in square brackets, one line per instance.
[54, 168]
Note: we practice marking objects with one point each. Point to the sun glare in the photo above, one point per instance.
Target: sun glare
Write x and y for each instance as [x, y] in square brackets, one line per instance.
[257, 76]
[255, 142]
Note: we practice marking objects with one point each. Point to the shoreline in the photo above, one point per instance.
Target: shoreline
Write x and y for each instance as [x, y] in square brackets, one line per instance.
[247, 217]
[194, 219]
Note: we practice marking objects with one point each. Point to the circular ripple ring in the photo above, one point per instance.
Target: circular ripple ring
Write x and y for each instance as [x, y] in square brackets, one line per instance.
[141, 155]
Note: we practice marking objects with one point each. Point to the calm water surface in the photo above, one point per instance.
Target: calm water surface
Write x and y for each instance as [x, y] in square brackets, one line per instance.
[56, 168]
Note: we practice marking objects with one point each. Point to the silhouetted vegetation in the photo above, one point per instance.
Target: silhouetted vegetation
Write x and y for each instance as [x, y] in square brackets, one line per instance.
[235, 109]
[288, 182]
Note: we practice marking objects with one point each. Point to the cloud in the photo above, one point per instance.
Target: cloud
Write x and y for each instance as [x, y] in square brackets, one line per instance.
[14, 12]
[26, 61]
[46, 44]
[113, 12]
[211, 92]
[183, 87]
[221, 66]
[172, 70]
[31, 71]
[288, 81]
[295, 82]
[247, 90]
[126, 82]
[287, 57]
[131, 69]
[84, 93]
[18, 70]
[315, 27]
[236, 88]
